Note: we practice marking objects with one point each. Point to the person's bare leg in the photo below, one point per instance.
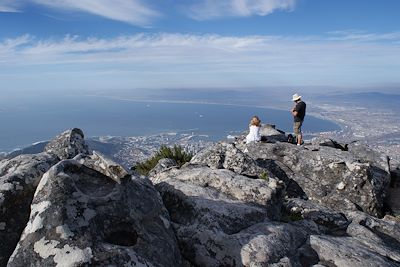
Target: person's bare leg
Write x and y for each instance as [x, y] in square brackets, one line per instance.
[299, 138]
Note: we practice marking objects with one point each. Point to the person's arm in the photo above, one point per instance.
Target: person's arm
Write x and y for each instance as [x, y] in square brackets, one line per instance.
[294, 110]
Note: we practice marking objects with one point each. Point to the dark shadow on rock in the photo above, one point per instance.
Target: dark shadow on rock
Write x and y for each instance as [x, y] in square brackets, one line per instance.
[121, 234]
[386, 237]
[334, 144]
[293, 189]
[273, 138]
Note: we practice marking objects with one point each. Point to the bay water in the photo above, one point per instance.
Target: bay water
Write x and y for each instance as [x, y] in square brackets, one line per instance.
[32, 118]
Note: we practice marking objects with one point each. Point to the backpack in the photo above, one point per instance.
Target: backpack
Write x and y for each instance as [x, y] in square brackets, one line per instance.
[291, 139]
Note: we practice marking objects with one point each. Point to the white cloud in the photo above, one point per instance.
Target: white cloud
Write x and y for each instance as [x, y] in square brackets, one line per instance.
[130, 11]
[9, 5]
[179, 59]
[211, 9]
[362, 36]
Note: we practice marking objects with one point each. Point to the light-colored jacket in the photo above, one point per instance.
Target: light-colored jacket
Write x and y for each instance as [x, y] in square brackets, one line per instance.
[254, 134]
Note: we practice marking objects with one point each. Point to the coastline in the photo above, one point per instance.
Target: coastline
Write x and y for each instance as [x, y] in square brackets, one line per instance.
[380, 128]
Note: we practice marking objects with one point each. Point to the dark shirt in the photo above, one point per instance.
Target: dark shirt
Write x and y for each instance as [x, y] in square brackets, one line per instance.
[301, 111]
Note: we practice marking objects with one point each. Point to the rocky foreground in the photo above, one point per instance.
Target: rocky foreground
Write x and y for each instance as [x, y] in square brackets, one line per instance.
[262, 204]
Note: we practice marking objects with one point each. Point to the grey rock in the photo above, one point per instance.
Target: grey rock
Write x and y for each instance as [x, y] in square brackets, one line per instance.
[18, 180]
[263, 244]
[347, 251]
[328, 220]
[268, 194]
[212, 156]
[68, 144]
[82, 217]
[104, 165]
[368, 155]
[227, 156]
[162, 165]
[223, 219]
[331, 177]
[271, 134]
[380, 235]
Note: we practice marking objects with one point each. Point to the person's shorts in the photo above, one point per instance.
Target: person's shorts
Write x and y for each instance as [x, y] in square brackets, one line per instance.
[297, 127]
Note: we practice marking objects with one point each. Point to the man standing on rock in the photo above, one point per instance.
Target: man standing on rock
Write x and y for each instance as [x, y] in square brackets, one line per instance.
[298, 112]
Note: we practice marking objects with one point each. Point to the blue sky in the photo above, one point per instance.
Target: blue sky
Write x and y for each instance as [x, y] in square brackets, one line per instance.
[131, 44]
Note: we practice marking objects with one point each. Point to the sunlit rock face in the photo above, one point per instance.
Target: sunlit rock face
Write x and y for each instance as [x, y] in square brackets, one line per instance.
[19, 177]
[80, 216]
[68, 144]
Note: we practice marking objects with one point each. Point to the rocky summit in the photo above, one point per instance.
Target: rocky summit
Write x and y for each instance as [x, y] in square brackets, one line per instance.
[266, 203]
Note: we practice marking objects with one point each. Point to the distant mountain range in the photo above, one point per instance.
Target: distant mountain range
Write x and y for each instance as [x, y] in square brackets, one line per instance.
[367, 99]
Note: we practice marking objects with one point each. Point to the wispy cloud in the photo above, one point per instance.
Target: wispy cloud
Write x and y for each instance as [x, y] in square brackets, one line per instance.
[10, 5]
[178, 60]
[135, 12]
[362, 36]
[211, 9]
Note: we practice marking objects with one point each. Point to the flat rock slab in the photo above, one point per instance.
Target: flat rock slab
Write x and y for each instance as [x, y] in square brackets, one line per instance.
[263, 244]
[379, 235]
[223, 219]
[347, 251]
[268, 194]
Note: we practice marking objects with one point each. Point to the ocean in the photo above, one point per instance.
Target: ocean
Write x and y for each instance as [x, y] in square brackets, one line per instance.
[31, 118]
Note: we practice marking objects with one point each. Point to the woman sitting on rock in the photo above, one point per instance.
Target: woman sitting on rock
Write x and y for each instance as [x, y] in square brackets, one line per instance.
[254, 128]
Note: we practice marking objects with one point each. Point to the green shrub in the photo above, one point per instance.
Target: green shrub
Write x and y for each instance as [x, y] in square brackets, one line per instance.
[176, 153]
[264, 176]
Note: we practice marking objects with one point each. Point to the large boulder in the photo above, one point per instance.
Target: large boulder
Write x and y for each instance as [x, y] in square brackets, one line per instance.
[18, 180]
[227, 156]
[338, 179]
[79, 217]
[224, 219]
[271, 134]
[365, 154]
[68, 144]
